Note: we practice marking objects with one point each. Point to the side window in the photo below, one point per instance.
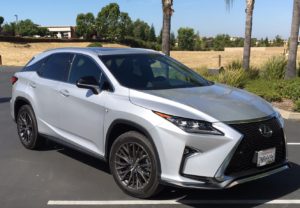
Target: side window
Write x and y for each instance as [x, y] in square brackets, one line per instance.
[57, 67]
[34, 67]
[84, 66]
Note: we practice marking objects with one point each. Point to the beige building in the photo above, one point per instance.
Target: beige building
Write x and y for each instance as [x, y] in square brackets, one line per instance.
[62, 31]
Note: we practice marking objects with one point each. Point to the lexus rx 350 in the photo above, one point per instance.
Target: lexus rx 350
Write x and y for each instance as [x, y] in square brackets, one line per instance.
[154, 120]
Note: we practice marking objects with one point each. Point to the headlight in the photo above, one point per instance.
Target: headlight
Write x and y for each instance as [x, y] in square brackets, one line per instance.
[190, 125]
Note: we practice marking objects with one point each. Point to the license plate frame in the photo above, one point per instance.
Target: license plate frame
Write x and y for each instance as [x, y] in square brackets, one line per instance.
[265, 157]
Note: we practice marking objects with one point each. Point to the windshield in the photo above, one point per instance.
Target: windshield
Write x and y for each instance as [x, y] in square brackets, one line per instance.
[151, 72]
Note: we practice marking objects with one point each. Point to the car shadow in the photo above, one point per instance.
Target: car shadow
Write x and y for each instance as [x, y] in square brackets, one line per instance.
[266, 189]
[86, 159]
[262, 190]
[75, 154]
[4, 99]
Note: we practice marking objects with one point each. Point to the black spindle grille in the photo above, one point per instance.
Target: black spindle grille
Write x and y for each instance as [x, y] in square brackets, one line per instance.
[253, 141]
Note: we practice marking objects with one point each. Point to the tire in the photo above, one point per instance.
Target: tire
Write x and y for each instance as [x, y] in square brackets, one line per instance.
[27, 128]
[138, 175]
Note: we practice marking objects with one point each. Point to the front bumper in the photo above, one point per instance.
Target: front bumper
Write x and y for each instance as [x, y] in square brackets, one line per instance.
[208, 166]
[211, 183]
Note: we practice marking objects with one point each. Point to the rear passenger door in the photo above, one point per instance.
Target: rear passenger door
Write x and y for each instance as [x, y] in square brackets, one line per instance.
[47, 97]
[81, 112]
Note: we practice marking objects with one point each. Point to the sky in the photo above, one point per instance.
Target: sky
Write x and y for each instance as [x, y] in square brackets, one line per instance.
[208, 17]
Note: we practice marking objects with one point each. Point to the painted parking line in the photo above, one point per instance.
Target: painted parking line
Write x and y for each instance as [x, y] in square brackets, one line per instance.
[294, 143]
[173, 202]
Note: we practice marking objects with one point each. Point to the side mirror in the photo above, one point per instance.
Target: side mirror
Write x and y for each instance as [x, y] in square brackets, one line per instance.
[89, 83]
[106, 86]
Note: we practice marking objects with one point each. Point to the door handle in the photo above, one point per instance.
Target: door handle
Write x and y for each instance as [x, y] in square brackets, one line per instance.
[65, 93]
[32, 84]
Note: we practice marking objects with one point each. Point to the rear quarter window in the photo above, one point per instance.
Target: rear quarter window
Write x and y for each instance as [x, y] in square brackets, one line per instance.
[57, 67]
[35, 67]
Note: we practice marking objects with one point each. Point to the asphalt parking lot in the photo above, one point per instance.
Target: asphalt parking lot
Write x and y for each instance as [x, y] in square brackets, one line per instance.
[56, 176]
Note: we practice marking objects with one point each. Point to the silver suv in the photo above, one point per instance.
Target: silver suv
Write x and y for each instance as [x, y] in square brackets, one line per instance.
[153, 119]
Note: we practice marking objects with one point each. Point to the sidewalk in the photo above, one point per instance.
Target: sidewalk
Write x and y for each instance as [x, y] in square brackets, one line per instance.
[289, 115]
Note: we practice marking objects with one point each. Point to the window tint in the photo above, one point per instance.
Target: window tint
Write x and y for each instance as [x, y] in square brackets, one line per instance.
[57, 67]
[151, 72]
[34, 67]
[84, 66]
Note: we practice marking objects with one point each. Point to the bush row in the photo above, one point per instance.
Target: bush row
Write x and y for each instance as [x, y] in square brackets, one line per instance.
[267, 82]
[129, 41]
[138, 43]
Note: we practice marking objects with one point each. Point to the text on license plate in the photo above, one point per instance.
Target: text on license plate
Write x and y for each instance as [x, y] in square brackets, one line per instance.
[265, 157]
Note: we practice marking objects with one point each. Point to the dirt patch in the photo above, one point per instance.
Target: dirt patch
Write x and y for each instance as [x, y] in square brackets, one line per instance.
[14, 54]
[20, 54]
[286, 104]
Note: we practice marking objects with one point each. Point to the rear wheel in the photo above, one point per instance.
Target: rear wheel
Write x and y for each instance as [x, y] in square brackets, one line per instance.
[134, 165]
[27, 128]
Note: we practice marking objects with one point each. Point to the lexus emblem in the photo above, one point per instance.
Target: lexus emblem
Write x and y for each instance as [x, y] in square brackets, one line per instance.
[265, 130]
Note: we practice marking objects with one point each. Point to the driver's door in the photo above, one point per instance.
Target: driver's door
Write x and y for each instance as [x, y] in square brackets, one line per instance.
[82, 112]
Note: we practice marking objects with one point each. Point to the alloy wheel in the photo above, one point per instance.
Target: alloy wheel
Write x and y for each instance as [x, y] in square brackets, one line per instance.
[25, 127]
[133, 166]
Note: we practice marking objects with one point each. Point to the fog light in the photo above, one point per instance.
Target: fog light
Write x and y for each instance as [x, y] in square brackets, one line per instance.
[189, 151]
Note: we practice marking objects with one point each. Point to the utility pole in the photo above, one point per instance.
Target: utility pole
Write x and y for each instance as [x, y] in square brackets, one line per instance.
[16, 26]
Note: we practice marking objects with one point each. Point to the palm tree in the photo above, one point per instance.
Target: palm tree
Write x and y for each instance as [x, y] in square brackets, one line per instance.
[291, 66]
[248, 31]
[167, 6]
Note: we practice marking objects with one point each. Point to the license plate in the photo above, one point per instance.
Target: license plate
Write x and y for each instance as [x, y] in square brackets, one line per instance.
[265, 157]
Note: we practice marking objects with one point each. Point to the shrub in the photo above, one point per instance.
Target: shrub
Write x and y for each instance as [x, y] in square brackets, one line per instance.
[234, 65]
[289, 89]
[274, 68]
[253, 73]
[265, 89]
[203, 71]
[95, 44]
[297, 106]
[235, 78]
[138, 43]
[237, 64]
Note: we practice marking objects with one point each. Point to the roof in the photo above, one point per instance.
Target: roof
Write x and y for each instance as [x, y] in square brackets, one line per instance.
[105, 51]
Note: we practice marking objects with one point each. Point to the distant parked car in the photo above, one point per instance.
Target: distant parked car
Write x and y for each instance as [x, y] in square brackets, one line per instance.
[154, 121]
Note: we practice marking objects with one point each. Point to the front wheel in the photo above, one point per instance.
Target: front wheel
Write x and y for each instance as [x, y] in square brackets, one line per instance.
[134, 165]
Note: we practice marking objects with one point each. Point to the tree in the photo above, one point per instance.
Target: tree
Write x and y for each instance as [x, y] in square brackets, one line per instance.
[85, 25]
[141, 30]
[248, 34]
[27, 28]
[172, 40]
[248, 31]
[1, 22]
[186, 38]
[42, 31]
[266, 42]
[167, 7]
[126, 28]
[112, 24]
[9, 29]
[221, 41]
[107, 22]
[291, 65]
[152, 35]
[278, 41]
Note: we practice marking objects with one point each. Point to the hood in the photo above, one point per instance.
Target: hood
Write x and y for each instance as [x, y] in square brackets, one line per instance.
[216, 102]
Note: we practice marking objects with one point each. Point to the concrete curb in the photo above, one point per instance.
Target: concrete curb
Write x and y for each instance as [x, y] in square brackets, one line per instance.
[289, 115]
